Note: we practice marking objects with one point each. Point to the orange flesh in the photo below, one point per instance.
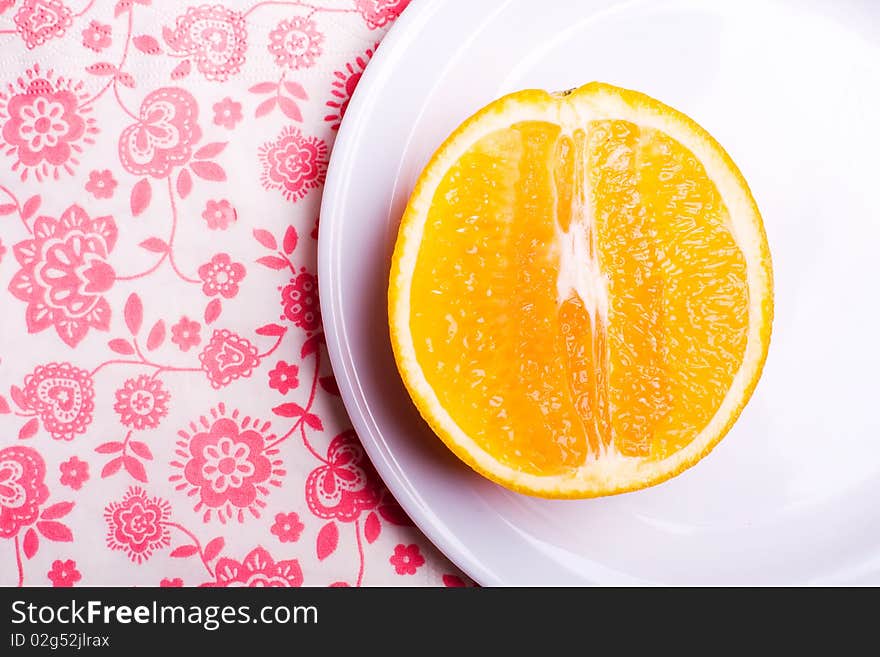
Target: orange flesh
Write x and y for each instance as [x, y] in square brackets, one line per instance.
[640, 365]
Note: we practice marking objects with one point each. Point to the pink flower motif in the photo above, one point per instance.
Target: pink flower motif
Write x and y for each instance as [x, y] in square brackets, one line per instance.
[293, 163]
[22, 488]
[43, 126]
[300, 301]
[295, 43]
[142, 402]
[137, 524]
[64, 274]
[171, 583]
[346, 485]
[185, 333]
[214, 36]
[228, 357]
[258, 569]
[227, 466]
[38, 21]
[287, 527]
[64, 573]
[219, 214]
[74, 473]
[63, 396]
[227, 113]
[284, 377]
[101, 184]
[378, 13]
[407, 559]
[2, 250]
[97, 36]
[344, 86]
[164, 135]
[221, 276]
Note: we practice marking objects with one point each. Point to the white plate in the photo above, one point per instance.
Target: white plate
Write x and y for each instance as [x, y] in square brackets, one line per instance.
[791, 88]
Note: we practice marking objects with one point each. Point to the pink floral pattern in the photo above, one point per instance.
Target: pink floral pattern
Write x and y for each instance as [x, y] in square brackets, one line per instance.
[258, 569]
[162, 357]
[65, 273]
[163, 136]
[44, 125]
[294, 163]
[214, 36]
[63, 397]
[22, 488]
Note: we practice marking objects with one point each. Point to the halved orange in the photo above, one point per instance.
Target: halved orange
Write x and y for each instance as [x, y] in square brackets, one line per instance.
[580, 297]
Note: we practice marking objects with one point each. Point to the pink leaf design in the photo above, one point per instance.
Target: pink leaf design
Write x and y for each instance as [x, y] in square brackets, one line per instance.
[265, 107]
[56, 511]
[8, 208]
[141, 449]
[213, 310]
[271, 329]
[265, 238]
[121, 7]
[210, 150]
[290, 240]
[55, 531]
[168, 35]
[184, 551]
[101, 68]
[372, 527]
[134, 313]
[154, 244]
[181, 70]
[18, 397]
[125, 79]
[109, 448]
[314, 422]
[184, 183]
[141, 194]
[263, 88]
[208, 171]
[135, 468]
[111, 467]
[328, 539]
[29, 429]
[394, 514]
[453, 581]
[329, 384]
[147, 44]
[31, 543]
[296, 90]
[290, 108]
[4, 406]
[291, 409]
[156, 336]
[121, 346]
[273, 262]
[30, 207]
[212, 549]
[310, 346]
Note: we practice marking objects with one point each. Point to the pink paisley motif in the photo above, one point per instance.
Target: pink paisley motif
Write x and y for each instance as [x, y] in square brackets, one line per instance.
[214, 36]
[164, 135]
[64, 274]
[43, 125]
[294, 163]
[22, 488]
[295, 43]
[378, 13]
[258, 569]
[299, 299]
[228, 357]
[346, 485]
[38, 21]
[63, 396]
[137, 524]
[227, 466]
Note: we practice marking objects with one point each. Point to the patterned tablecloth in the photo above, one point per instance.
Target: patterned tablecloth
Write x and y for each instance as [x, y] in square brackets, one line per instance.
[167, 411]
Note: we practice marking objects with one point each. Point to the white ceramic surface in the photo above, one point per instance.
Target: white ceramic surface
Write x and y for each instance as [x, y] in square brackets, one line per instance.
[791, 88]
